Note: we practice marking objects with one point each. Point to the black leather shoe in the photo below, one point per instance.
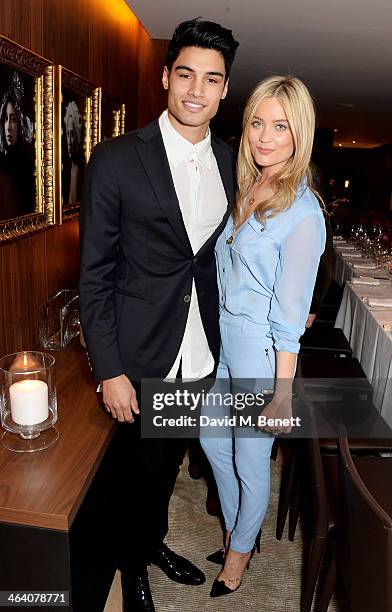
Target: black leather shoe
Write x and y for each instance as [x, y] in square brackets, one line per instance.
[212, 505]
[194, 470]
[136, 593]
[177, 568]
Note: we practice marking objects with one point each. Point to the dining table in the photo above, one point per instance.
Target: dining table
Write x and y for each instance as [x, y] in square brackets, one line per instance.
[365, 316]
[351, 262]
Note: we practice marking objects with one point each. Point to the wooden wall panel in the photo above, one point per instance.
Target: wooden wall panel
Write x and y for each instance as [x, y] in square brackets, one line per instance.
[66, 34]
[22, 21]
[22, 289]
[152, 97]
[62, 257]
[129, 52]
[98, 39]
[104, 42]
[103, 47]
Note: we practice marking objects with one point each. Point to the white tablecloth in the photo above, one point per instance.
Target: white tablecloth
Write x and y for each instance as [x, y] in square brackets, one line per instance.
[370, 342]
[343, 270]
[344, 267]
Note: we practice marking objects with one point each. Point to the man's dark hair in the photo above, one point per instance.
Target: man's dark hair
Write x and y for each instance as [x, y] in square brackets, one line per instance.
[204, 34]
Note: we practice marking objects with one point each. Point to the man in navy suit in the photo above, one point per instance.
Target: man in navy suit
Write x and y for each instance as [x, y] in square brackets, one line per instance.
[154, 203]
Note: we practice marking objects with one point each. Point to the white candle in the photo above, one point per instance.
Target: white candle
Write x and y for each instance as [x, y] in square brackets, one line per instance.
[29, 402]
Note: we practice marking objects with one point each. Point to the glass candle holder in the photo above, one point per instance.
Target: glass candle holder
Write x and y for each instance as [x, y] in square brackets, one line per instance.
[28, 401]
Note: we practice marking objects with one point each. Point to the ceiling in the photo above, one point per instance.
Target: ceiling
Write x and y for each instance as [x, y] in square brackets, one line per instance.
[342, 49]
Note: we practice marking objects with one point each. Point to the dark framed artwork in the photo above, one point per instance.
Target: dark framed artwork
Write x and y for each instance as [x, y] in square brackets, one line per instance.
[112, 117]
[77, 123]
[26, 141]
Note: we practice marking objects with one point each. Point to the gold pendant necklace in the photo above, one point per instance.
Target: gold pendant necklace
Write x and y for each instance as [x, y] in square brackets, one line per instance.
[250, 203]
[253, 199]
[233, 233]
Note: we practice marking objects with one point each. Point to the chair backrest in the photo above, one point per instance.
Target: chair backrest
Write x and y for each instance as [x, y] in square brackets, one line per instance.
[310, 465]
[364, 551]
[312, 473]
[318, 500]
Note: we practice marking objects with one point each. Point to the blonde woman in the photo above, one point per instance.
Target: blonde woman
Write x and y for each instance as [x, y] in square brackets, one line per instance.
[267, 260]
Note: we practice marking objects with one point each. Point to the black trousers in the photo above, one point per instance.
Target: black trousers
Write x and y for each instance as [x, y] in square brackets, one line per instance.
[140, 485]
[144, 479]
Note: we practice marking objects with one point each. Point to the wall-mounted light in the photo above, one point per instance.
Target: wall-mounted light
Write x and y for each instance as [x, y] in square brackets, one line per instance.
[119, 12]
[346, 184]
[354, 142]
[340, 144]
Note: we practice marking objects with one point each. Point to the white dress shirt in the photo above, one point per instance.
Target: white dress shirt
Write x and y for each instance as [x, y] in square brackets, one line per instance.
[203, 203]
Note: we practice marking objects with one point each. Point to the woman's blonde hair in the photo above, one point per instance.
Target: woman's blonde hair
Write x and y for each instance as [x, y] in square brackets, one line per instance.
[298, 106]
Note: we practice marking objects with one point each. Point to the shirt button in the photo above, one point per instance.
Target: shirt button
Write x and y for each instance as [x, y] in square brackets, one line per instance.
[187, 298]
[229, 240]
[262, 229]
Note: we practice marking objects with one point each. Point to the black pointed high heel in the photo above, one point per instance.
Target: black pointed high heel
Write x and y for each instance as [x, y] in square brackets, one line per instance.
[219, 588]
[217, 557]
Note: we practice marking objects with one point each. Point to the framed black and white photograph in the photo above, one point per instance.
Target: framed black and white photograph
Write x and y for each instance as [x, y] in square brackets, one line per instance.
[112, 117]
[26, 139]
[78, 116]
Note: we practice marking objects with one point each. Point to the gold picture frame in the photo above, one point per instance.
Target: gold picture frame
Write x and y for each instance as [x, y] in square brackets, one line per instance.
[26, 142]
[112, 122]
[77, 129]
[122, 112]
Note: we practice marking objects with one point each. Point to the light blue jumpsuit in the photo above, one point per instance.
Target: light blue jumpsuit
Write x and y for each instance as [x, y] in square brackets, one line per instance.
[266, 277]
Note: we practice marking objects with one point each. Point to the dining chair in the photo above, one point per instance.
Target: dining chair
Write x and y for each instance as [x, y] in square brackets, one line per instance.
[363, 550]
[320, 490]
[325, 339]
[358, 391]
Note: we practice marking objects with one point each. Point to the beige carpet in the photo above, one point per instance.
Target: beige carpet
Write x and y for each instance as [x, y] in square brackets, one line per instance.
[271, 585]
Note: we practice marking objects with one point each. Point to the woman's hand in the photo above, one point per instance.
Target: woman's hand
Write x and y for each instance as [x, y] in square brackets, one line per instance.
[310, 320]
[276, 418]
[279, 410]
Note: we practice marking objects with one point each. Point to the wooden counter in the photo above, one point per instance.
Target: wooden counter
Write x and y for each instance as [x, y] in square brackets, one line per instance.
[45, 488]
[51, 500]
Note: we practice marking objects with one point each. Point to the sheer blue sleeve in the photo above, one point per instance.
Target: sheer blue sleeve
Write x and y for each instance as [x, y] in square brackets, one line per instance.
[294, 283]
